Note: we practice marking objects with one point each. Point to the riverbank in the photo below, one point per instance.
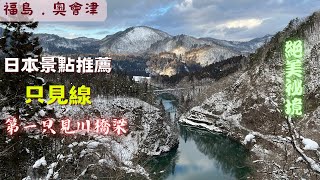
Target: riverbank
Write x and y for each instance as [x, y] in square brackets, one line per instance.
[272, 153]
[89, 155]
[203, 153]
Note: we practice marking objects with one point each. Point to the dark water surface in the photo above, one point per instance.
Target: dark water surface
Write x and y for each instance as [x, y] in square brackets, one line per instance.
[201, 155]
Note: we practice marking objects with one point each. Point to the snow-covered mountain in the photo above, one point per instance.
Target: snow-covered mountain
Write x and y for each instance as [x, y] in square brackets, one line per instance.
[142, 40]
[178, 44]
[53, 44]
[134, 40]
[192, 49]
[149, 42]
[210, 54]
[244, 47]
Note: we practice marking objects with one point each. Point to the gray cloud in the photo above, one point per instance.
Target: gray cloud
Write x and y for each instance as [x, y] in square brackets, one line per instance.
[224, 19]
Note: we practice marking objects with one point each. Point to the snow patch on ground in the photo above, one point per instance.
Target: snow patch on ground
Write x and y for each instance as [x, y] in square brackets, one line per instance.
[199, 124]
[309, 144]
[42, 113]
[40, 162]
[249, 138]
[216, 113]
[143, 120]
[93, 145]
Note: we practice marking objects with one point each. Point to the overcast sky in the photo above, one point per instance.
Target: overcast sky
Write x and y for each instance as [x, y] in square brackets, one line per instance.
[222, 19]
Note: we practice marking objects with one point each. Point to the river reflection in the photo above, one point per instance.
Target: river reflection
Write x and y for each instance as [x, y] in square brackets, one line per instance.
[201, 155]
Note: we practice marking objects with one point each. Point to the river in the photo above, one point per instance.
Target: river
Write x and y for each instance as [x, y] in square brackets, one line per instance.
[201, 155]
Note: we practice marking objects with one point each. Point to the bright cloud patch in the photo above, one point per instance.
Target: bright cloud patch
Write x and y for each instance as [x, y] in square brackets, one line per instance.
[242, 23]
[185, 5]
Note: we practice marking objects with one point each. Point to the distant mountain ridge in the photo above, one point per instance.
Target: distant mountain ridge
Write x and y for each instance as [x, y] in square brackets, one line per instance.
[53, 44]
[142, 40]
[246, 46]
[155, 45]
[177, 44]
